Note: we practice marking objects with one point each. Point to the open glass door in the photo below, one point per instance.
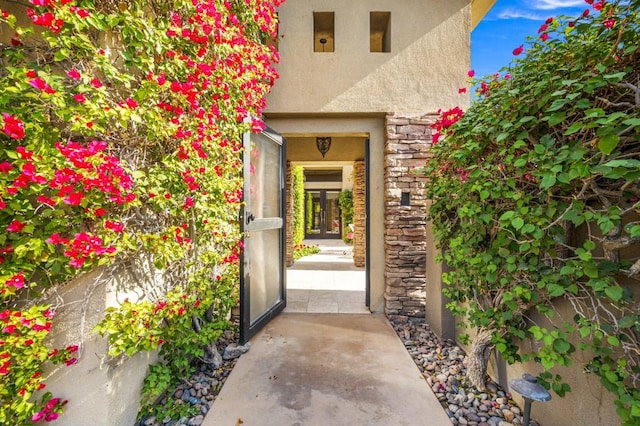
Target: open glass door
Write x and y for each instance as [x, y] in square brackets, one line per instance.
[262, 274]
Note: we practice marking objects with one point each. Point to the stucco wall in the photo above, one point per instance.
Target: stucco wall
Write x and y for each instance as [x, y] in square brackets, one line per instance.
[428, 62]
[100, 392]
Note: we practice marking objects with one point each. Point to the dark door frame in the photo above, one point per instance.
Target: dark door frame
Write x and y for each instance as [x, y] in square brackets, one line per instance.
[249, 224]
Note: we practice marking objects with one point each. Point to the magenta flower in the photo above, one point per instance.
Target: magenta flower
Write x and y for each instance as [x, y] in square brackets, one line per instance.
[15, 226]
[13, 127]
[517, 51]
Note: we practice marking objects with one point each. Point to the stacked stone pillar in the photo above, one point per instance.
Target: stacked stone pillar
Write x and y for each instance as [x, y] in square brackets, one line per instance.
[407, 144]
[359, 213]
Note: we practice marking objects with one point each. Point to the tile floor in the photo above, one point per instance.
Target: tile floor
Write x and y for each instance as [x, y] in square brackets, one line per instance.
[326, 282]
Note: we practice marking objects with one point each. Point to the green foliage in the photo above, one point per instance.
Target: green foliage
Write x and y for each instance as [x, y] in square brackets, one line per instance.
[309, 210]
[345, 202]
[302, 250]
[297, 194]
[536, 198]
[121, 127]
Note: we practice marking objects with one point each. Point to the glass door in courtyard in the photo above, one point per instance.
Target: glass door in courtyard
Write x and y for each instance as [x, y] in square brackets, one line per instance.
[322, 214]
[262, 277]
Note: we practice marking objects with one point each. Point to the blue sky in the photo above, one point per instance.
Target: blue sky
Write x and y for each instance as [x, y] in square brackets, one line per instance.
[506, 27]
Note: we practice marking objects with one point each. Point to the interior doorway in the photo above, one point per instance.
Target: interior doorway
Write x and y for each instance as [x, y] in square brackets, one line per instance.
[322, 213]
[328, 196]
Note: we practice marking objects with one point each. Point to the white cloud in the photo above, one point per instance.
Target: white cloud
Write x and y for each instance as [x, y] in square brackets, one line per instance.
[522, 14]
[556, 4]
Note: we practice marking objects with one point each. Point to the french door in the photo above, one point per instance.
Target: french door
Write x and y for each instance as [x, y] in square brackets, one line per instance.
[262, 273]
[322, 214]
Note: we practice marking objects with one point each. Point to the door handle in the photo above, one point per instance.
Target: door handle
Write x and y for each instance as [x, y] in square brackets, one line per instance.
[250, 218]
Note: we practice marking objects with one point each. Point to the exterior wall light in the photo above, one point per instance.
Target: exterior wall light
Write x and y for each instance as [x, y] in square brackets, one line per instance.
[323, 145]
[531, 391]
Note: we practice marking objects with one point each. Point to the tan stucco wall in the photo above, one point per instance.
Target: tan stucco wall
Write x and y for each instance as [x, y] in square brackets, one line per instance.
[100, 392]
[428, 62]
[374, 127]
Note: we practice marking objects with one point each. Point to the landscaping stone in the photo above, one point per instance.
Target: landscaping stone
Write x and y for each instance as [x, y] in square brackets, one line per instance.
[443, 365]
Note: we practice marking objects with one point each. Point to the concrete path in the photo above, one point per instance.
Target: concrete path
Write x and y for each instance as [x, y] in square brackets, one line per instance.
[326, 370]
[326, 282]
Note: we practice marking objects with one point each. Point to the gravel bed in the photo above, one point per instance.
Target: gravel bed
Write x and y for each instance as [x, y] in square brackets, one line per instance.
[443, 365]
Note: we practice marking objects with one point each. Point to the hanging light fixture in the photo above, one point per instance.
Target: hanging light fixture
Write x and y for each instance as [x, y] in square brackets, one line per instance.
[323, 144]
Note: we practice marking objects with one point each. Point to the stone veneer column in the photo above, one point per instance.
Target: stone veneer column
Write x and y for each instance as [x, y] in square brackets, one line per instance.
[407, 144]
[289, 216]
[359, 213]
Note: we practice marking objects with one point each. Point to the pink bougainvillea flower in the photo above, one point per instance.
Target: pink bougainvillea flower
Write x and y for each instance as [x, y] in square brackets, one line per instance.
[188, 203]
[74, 199]
[15, 226]
[518, 50]
[17, 281]
[83, 13]
[117, 227]
[31, 73]
[79, 97]
[24, 154]
[462, 90]
[609, 23]
[471, 73]
[5, 167]
[45, 200]
[13, 127]
[131, 103]
[42, 85]
[95, 82]
[100, 212]
[74, 74]
[544, 36]
[55, 238]
[72, 348]
[599, 5]
[38, 416]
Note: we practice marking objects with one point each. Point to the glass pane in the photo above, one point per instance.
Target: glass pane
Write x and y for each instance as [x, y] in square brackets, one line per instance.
[314, 212]
[265, 177]
[264, 271]
[333, 213]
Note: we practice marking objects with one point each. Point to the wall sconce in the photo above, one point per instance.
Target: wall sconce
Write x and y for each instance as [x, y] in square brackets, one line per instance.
[323, 144]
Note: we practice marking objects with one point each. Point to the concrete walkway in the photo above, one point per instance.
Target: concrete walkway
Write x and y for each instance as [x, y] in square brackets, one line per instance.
[326, 370]
[326, 282]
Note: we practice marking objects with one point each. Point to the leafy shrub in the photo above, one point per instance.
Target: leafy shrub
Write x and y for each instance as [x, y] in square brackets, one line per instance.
[536, 201]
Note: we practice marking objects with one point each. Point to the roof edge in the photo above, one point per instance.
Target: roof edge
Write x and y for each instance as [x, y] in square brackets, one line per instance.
[479, 9]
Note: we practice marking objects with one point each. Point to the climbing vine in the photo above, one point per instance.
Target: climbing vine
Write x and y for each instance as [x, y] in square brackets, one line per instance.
[536, 204]
[121, 125]
[298, 204]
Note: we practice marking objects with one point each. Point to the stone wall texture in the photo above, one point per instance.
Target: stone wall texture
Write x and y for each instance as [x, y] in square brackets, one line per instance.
[359, 213]
[407, 144]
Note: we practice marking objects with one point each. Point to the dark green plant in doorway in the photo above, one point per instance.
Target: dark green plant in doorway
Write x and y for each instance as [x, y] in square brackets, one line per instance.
[297, 173]
[345, 202]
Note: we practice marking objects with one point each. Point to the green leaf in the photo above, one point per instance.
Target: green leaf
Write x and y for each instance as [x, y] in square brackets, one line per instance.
[574, 128]
[555, 290]
[561, 346]
[614, 293]
[548, 180]
[613, 341]
[607, 143]
[517, 223]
